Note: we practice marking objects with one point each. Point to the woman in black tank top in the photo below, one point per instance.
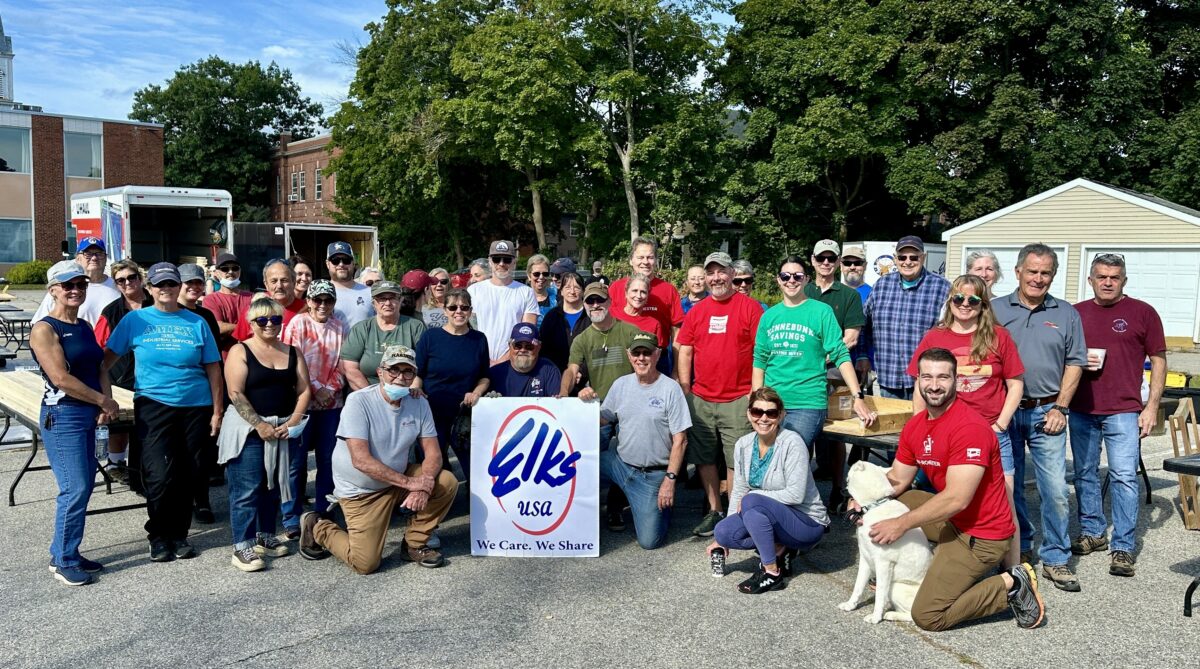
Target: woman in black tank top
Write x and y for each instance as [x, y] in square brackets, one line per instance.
[268, 389]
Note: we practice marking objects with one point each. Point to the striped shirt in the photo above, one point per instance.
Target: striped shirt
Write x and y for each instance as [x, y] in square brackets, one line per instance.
[897, 319]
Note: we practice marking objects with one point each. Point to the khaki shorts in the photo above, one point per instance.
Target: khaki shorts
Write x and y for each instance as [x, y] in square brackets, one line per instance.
[716, 427]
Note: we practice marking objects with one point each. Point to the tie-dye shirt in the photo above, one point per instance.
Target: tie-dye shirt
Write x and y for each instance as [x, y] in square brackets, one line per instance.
[321, 346]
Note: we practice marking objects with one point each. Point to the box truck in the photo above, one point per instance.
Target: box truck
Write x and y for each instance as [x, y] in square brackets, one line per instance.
[881, 258]
[256, 243]
[153, 223]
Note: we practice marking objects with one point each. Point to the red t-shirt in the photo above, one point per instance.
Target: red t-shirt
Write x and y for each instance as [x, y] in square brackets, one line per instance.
[980, 385]
[663, 303]
[643, 322]
[227, 309]
[1129, 330]
[960, 437]
[722, 337]
[243, 332]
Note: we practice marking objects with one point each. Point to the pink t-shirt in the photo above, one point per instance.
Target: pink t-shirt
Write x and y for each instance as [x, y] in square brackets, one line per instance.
[980, 385]
[722, 337]
[321, 346]
[1129, 330]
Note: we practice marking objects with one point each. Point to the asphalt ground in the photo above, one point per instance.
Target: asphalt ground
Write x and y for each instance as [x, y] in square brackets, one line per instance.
[629, 607]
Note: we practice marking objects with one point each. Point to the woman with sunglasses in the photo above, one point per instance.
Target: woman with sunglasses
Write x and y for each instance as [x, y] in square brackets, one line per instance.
[538, 270]
[178, 403]
[454, 361]
[743, 279]
[990, 372]
[564, 322]
[364, 344]
[268, 390]
[435, 298]
[77, 398]
[317, 334]
[773, 504]
[304, 275]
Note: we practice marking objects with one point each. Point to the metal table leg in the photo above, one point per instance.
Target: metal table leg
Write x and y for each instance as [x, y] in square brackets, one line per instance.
[33, 449]
[1187, 597]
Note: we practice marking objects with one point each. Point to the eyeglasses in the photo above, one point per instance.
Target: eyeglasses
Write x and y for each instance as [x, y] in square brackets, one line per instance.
[502, 260]
[539, 275]
[556, 277]
[262, 321]
[387, 297]
[457, 307]
[594, 300]
[230, 268]
[400, 369]
[791, 276]
[909, 258]
[340, 260]
[756, 412]
[523, 346]
[74, 285]
[122, 280]
[971, 300]
[741, 281]
[852, 263]
[826, 259]
[166, 284]
[91, 253]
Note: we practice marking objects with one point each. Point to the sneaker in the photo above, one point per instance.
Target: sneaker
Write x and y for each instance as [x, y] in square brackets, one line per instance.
[760, 581]
[1122, 564]
[1088, 544]
[708, 524]
[183, 550]
[422, 555]
[117, 471]
[271, 545]
[70, 575]
[160, 551]
[204, 515]
[247, 560]
[787, 562]
[1025, 601]
[435, 541]
[309, 548]
[716, 561]
[89, 566]
[616, 521]
[1061, 576]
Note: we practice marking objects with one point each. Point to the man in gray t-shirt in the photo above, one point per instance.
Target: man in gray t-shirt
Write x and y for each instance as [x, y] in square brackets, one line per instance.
[371, 473]
[653, 417]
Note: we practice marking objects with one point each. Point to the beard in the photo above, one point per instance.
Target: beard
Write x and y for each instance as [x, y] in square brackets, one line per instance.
[853, 279]
[940, 401]
[523, 363]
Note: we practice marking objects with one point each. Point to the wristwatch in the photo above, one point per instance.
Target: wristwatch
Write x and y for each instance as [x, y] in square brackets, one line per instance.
[861, 394]
[671, 475]
[1061, 409]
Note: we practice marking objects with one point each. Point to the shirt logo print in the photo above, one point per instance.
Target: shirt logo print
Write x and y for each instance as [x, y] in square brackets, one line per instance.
[974, 453]
[928, 445]
[1120, 325]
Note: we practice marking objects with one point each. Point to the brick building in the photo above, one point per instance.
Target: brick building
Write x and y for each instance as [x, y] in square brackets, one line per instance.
[303, 187]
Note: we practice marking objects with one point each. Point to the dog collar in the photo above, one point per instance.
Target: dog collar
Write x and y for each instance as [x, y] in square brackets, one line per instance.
[877, 503]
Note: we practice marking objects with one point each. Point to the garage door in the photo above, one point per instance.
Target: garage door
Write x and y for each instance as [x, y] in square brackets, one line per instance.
[1169, 279]
[1007, 255]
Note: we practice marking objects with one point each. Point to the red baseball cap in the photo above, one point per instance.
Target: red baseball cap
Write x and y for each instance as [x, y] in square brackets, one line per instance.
[416, 279]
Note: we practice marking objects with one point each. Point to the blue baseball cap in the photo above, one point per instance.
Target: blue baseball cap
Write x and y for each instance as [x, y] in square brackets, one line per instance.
[339, 249]
[90, 242]
[525, 332]
[911, 242]
[163, 271]
[63, 271]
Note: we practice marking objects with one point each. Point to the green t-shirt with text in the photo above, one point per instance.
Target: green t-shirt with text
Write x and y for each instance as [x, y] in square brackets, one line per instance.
[791, 346]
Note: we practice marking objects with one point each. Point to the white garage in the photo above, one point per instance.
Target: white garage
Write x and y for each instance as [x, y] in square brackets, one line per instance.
[1081, 219]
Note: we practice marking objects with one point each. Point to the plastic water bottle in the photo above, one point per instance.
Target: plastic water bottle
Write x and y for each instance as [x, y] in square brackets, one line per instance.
[101, 442]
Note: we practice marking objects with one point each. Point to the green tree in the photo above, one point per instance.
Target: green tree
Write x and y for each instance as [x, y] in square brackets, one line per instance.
[221, 122]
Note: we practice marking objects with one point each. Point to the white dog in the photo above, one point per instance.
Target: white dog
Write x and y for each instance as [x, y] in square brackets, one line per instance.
[898, 567]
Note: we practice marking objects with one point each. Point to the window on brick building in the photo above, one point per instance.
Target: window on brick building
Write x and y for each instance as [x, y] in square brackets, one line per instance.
[295, 185]
[14, 150]
[82, 154]
[278, 188]
[317, 185]
[16, 240]
[303, 187]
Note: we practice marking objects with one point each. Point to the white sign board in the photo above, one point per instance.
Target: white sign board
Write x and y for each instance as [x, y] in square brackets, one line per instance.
[535, 477]
[881, 259]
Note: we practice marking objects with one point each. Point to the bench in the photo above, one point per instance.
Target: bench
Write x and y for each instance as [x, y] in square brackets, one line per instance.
[15, 326]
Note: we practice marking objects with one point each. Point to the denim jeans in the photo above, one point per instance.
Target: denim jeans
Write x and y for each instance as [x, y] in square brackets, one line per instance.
[1120, 434]
[764, 522]
[252, 506]
[1006, 452]
[649, 523]
[897, 393]
[297, 481]
[70, 444]
[1049, 454]
[321, 436]
[807, 423]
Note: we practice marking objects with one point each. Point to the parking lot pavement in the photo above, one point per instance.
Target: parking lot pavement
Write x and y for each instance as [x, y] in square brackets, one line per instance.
[629, 607]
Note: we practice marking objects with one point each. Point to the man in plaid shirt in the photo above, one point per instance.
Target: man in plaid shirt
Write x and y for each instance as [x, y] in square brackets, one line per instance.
[903, 305]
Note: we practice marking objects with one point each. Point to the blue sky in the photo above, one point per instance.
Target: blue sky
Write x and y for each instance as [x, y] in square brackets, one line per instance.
[87, 57]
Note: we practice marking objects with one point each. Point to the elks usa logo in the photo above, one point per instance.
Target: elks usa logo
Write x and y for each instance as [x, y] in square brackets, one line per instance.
[533, 470]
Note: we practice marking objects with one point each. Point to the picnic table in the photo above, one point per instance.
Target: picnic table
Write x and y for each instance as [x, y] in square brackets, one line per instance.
[21, 401]
[1188, 465]
[15, 326]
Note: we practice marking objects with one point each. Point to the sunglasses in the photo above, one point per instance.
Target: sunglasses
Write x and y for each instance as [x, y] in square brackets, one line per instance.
[755, 412]
[323, 300]
[909, 258]
[971, 300]
[262, 321]
[852, 263]
[387, 297]
[539, 275]
[400, 369]
[166, 284]
[457, 307]
[230, 268]
[826, 259]
[594, 300]
[743, 281]
[340, 260]
[443, 282]
[123, 280]
[502, 260]
[74, 285]
[791, 276]
[523, 346]
[641, 353]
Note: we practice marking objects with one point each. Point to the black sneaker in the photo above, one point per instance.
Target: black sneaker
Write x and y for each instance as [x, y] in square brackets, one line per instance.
[183, 550]
[309, 548]
[616, 521]
[708, 524]
[787, 562]
[760, 581]
[247, 560]
[1025, 601]
[716, 561]
[271, 545]
[160, 551]
[1122, 564]
[70, 575]
[204, 515]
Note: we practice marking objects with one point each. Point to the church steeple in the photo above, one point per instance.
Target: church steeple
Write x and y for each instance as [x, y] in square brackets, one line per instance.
[6, 66]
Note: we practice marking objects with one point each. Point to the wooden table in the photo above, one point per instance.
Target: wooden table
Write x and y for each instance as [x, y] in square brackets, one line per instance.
[21, 400]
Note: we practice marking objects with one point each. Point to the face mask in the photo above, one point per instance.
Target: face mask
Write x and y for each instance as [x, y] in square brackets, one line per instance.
[395, 392]
[230, 283]
[294, 431]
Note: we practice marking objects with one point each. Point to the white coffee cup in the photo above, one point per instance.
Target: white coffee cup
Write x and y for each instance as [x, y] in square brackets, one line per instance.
[1097, 354]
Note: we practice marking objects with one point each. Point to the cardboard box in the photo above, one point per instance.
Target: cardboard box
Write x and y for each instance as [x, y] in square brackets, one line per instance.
[891, 417]
[840, 405]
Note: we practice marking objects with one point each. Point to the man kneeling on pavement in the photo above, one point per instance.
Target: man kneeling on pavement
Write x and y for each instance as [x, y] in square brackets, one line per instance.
[380, 424]
[969, 518]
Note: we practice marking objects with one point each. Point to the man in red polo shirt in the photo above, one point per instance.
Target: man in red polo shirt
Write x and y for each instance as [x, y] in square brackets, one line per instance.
[969, 517]
[663, 303]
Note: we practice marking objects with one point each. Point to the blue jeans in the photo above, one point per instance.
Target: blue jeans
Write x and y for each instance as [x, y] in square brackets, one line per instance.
[649, 523]
[252, 506]
[1049, 452]
[1006, 452]
[805, 422]
[321, 435]
[897, 393]
[297, 481]
[1121, 434]
[764, 522]
[70, 444]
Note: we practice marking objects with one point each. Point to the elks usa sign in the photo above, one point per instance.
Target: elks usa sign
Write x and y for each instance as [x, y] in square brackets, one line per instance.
[535, 477]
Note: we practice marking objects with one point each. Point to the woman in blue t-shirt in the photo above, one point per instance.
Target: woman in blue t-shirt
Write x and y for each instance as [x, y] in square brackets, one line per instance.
[564, 322]
[177, 402]
[77, 398]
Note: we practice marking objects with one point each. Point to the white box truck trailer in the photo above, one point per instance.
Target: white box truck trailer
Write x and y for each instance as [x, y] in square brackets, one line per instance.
[153, 223]
[256, 243]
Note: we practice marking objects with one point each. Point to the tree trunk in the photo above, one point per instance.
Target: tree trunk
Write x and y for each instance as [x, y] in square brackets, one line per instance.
[536, 196]
[456, 241]
[592, 214]
[630, 195]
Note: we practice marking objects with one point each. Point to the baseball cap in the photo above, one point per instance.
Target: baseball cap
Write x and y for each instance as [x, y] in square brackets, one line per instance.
[90, 242]
[720, 257]
[595, 288]
[381, 287]
[339, 249]
[225, 258]
[416, 279]
[321, 287]
[163, 271]
[190, 272]
[62, 271]
[643, 340]
[524, 332]
[826, 245]
[502, 247]
[396, 354]
[562, 266]
[855, 252]
[911, 241]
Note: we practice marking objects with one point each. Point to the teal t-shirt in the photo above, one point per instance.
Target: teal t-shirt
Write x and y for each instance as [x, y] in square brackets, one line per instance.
[791, 346]
[759, 464]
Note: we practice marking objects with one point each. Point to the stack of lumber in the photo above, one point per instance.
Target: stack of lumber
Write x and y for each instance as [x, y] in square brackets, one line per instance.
[22, 393]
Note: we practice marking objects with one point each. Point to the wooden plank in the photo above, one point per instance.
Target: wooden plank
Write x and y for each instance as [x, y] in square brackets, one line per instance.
[892, 415]
[22, 394]
[1185, 440]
